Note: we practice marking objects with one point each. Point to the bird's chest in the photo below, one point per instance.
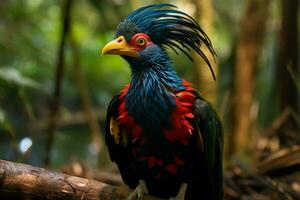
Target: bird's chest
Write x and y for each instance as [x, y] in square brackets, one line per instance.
[159, 134]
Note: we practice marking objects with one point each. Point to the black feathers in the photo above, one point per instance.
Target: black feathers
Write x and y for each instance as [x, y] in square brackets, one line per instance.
[167, 27]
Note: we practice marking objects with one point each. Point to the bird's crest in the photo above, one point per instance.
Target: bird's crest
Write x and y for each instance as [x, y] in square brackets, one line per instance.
[169, 27]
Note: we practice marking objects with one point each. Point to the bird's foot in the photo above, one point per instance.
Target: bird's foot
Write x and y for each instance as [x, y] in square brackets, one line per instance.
[181, 193]
[139, 192]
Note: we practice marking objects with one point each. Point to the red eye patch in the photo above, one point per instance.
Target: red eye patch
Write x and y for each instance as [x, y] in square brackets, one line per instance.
[140, 40]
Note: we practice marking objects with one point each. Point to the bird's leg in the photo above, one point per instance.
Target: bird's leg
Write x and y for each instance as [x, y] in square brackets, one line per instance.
[139, 191]
[181, 193]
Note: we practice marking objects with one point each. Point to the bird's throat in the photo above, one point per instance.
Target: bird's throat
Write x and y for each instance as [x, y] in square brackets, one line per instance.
[150, 97]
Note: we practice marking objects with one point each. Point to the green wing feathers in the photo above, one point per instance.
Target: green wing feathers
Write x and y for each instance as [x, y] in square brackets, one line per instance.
[211, 132]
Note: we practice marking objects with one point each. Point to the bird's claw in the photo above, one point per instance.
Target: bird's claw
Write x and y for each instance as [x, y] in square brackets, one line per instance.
[181, 193]
[139, 192]
[136, 194]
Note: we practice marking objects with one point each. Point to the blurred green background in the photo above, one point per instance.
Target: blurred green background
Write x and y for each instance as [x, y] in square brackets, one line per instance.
[46, 122]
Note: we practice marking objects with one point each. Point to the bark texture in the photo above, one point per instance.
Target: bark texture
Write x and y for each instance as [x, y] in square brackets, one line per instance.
[288, 55]
[288, 69]
[20, 181]
[249, 45]
[59, 73]
[205, 82]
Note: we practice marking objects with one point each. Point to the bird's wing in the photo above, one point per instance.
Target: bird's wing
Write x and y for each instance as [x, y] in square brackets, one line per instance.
[116, 141]
[211, 137]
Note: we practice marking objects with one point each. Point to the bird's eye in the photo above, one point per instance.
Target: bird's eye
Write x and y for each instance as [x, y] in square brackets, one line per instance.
[141, 41]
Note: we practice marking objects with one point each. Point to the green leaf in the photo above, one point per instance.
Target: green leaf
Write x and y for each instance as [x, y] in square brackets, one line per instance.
[294, 77]
[2, 116]
[11, 75]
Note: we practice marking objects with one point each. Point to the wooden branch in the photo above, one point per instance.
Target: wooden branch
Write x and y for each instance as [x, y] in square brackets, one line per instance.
[280, 160]
[20, 181]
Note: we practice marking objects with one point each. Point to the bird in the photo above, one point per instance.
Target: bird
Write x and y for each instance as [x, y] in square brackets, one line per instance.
[164, 136]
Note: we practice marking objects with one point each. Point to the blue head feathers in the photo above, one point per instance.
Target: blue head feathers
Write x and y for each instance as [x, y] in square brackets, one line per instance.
[167, 27]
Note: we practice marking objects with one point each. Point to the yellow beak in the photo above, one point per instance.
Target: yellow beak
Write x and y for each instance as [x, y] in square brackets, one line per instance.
[119, 46]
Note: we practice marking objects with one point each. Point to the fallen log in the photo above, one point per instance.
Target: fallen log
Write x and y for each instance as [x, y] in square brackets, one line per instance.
[20, 181]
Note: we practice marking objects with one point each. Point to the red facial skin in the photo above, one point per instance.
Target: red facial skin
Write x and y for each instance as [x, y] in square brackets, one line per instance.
[140, 41]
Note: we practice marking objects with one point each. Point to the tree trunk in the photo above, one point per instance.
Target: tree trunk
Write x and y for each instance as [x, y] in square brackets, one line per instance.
[97, 142]
[288, 54]
[20, 181]
[54, 107]
[248, 49]
[205, 82]
[288, 67]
